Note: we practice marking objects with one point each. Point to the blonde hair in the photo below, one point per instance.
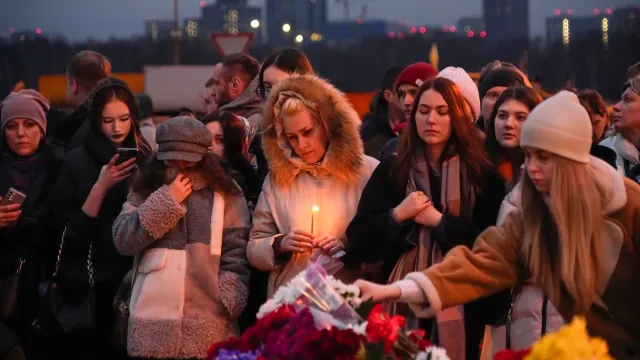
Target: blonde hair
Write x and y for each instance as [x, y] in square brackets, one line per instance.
[562, 237]
[288, 106]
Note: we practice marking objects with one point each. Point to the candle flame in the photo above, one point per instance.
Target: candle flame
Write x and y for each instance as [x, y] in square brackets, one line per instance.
[315, 208]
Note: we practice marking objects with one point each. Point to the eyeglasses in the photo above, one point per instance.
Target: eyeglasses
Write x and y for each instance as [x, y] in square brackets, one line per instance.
[263, 93]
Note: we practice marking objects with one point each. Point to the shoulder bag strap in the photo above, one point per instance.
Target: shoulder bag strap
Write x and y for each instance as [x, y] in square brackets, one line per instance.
[90, 265]
[57, 270]
[545, 305]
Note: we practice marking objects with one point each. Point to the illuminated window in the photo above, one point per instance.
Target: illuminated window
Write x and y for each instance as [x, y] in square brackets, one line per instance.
[566, 32]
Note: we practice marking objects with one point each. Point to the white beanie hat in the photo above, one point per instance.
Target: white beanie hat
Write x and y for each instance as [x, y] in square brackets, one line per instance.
[467, 87]
[559, 125]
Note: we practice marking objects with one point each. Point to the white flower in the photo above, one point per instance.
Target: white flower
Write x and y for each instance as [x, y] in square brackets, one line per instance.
[359, 329]
[268, 307]
[436, 354]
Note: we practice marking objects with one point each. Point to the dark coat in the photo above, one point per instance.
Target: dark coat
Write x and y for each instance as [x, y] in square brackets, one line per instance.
[604, 153]
[68, 132]
[78, 174]
[376, 131]
[375, 237]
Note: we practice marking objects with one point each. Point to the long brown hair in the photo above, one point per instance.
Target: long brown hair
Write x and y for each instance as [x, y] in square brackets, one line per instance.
[152, 176]
[524, 95]
[464, 140]
[562, 236]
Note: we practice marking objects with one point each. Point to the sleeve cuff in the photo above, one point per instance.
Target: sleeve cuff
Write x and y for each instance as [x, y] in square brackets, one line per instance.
[160, 213]
[410, 292]
[433, 304]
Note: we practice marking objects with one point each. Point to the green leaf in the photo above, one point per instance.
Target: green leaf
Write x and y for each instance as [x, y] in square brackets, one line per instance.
[365, 308]
[374, 351]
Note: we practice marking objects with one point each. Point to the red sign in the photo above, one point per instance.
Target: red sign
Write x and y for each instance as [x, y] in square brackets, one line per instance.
[227, 43]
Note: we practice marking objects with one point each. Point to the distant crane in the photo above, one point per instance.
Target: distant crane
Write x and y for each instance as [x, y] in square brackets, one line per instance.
[346, 5]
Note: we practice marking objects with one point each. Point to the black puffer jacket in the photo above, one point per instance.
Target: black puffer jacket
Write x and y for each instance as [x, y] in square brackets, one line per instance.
[79, 172]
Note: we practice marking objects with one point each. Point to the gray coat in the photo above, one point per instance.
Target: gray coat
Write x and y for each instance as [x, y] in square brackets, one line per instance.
[192, 281]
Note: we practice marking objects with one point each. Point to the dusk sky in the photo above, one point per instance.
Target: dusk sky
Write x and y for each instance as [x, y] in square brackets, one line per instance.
[100, 19]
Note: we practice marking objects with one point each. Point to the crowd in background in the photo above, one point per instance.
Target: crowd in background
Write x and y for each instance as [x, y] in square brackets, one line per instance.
[213, 212]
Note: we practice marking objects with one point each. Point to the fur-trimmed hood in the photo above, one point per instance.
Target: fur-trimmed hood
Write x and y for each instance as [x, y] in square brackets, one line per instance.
[345, 154]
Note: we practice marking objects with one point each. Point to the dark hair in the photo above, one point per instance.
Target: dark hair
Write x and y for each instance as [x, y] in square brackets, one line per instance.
[244, 66]
[289, 60]
[87, 68]
[464, 140]
[389, 78]
[186, 112]
[595, 102]
[100, 100]
[524, 95]
[633, 70]
[235, 135]
[152, 176]
[495, 64]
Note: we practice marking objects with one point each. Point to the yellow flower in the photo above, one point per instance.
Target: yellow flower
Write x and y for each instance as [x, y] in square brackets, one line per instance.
[571, 342]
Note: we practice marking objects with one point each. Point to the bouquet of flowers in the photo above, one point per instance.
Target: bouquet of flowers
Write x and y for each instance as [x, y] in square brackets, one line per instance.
[572, 341]
[315, 316]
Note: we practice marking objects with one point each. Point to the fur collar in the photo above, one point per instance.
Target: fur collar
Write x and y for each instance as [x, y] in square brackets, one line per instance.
[345, 155]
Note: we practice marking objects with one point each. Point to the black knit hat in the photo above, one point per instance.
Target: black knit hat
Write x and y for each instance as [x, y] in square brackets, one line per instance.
[182, 138]
[499, 77]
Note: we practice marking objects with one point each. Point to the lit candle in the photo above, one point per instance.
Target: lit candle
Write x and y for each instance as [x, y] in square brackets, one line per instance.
[314, 210]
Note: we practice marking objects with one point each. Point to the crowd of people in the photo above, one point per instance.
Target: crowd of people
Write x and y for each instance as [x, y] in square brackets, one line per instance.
[485, 214]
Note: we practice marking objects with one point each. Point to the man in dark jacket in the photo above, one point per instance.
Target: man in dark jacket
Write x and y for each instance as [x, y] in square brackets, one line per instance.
[84, 71]
[406, 87]
[386, 113]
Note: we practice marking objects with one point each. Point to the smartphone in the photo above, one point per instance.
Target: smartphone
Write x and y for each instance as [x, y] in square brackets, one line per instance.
[12, 197]
[126, 154]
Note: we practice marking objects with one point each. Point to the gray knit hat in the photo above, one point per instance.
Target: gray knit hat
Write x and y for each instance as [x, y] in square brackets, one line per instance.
[24, 104]
[182, 138]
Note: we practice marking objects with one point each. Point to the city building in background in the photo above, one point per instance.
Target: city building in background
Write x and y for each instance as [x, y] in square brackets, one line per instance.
[156, 30]
[506, 19]
[348, 31]
[232, 16]
[191, 28]
[295, 20]
[626, 20]
[471, 24]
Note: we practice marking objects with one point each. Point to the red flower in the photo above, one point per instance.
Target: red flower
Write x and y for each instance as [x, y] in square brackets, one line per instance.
[512, 355]
[417, 337]
[382, 328]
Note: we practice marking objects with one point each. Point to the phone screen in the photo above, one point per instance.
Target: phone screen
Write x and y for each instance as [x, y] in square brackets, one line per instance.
[126, 154]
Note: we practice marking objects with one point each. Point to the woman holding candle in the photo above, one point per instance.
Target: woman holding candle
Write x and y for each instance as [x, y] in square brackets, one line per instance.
[317, 162]
[439, 192]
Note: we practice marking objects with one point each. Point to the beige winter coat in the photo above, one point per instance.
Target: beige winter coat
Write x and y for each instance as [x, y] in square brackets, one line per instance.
[292, 188]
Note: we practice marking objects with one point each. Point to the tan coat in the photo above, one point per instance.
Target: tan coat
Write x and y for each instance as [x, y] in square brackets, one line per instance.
[496, 263]
[293, 188]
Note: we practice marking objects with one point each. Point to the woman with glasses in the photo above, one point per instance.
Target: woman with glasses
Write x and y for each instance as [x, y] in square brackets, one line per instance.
[280, 65]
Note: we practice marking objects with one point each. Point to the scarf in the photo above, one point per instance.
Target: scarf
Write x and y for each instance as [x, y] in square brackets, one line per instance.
[22, 170]
[458, 199]
[399, 127]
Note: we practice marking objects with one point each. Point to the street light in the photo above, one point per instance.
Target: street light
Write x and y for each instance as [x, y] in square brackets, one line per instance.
[286, 28]
[299, 38]
[255, 23]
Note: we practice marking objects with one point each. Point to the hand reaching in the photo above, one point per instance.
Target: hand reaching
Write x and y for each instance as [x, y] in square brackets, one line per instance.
[377, 292]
